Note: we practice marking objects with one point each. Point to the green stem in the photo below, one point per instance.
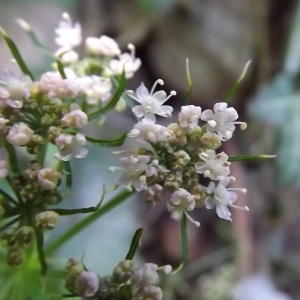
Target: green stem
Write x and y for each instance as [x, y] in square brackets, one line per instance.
[115, 201]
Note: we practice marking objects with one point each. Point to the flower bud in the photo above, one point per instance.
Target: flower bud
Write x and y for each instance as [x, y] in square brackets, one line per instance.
[210, 141]
[53, 133]
[74, 261]
[25, 236]
[19, 135]
[15, 257]
[145, 275]
[46, 220]
[8, 237]
[48, 178]
[75, 118]
[179, 137]
[102, 46]
[199, 194]
[153, 194]
[181, 158]
[123, 271]
[88, 283]
[149, 293]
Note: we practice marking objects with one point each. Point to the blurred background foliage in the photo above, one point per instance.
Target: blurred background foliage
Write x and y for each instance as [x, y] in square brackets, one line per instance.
[257, 255]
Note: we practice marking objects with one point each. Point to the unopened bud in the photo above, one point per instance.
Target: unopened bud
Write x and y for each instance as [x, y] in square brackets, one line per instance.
[25, 236]
[8, 237]
[53, 133]
[19, 135]
[149, 293]
[48, 178]
[75, 118]
[74, 261]
[123, 271]
[88, 283]
[15, 257]
[210, 141]
[46, 220]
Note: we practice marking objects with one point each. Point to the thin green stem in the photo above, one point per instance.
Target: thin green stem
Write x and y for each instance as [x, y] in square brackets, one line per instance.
[115, 201]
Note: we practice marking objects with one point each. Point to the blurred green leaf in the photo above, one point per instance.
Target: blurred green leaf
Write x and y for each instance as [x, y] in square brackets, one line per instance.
[135, 243]
[108, 143]
[249, 157]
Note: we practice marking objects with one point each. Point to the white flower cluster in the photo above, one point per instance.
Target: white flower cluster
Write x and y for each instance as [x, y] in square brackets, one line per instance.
[180, 153]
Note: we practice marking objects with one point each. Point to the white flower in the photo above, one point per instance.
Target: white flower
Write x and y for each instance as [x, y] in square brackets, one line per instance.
[19, 135]
[69, 145]
[222, 120]
[147, 131]
[49, 81]
[189, 116]
[88, 283]
[145, 275]
[102, 46]
[222, 197]
[97, 89]
[216, 167]
[3, 168]
[135, 174]
[151, 103]
[149, 293]
[65, 88]
[153, 193]
[67, 34]
[126, 61]
[180, 202]
[15, 89]
[67, 56]
[75, 118]
[48, 178]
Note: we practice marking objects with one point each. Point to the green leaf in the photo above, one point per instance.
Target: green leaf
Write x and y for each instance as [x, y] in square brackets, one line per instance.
[237, 84]
[189, 82]
[9, 198]
[34, 39]
[8, 224]
[66, 212]
[16, 54]
[12, 157]
[108, 143]
[68, 172]
[135, 243]
[111, 104]
[250, 157]
[61, 69]
[184, 244]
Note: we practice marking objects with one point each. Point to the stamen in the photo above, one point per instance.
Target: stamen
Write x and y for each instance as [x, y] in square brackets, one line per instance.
[172, 93]
[197, 224]
[130, 93]
[203, 154]
[112, 169]
[206, 173]
[244, 191]
[212, 123]
[245, 208]
[66, 17]
[243, 126]
[158, 81]
[132, 49]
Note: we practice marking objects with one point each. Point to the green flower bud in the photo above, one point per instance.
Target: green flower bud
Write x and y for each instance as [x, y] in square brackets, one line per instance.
[15, 257]
[46, 220]
[8, 237]
[53, 133]
[123, 271]
[173, 182]
[74, 261]
[199, 193]
[210, 142]
[179, 138]
[25, 236]
[34, 90]
[180, 159]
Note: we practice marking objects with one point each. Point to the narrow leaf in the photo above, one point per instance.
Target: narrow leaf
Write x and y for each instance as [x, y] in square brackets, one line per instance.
[184, 244]
[8, 224]
[68, 172]
[61, 69]
[237, 84]
[34, 39]
[108, 143]
[111, 104]
[66, 212]
[8, 197]
[250, 157]
[69, 296]
[189, 82]
[39, 246]
[16, 54]
[135, 243]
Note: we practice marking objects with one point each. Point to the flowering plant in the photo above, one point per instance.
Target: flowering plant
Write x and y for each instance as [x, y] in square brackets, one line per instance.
[179, 162]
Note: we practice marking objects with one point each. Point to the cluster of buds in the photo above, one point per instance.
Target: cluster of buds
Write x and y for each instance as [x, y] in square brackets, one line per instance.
[127, 282]
[183, 155]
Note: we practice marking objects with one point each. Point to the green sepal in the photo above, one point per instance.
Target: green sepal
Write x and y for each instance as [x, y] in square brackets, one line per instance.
[108, 143]
[16, 54]
[111, 104]
[61, 69]
[39, 248]
[237, 84]
[66, 212]
[135, 243]
[34, 39]
[184, 244]
[68, 172]
[189, 82]
[249, 157]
